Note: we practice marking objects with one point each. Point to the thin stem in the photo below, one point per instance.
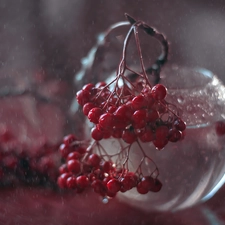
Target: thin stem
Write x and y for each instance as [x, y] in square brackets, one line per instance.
[162, 59]
[102, 149]
[128, 68]
[140, 54]
[145, 156]
[126, 41]
[127, 156]
[100, 92]
[89, 150]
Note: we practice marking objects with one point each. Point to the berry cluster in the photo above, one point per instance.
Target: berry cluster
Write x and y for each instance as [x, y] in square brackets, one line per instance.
[127, 108]
[131, 114]
[26, 165]
[82, 169]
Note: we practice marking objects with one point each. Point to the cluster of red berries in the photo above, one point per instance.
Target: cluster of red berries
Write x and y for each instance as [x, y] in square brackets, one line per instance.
[122, 114]
[127, 108]
[20, 166]
[82, 169]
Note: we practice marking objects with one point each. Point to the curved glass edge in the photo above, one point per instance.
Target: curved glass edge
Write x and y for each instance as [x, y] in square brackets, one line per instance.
[87, 61]
[214, 190]
[206, 72]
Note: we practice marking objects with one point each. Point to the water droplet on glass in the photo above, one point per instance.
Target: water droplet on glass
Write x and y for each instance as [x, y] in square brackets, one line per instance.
[105, 200]
[180, 100]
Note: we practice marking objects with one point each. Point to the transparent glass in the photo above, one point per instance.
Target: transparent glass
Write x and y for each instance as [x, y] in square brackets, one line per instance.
[191, 170]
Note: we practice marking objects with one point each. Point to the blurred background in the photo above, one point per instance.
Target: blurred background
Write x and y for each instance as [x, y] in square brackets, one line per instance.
[53, 35]
[42, 43]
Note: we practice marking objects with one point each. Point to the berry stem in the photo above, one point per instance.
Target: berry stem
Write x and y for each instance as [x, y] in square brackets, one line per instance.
[162, 59]
[125, 163]
[123, 60]
[140, 54]
[145, 156]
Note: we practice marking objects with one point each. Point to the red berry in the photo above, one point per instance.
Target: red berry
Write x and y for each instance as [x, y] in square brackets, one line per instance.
[70, 138]
[129, 136]
[99, 187]
[150, 99]
[152, 115]
[107, 134]
[74, 166]
[62, 180]
[83, 97]
[144, 185]
[162, 133]
[63, 169]
[112, 109]
[139, 102]
[180, 124]
[156, 186]
[220, 128]
[87, 168]
[128, 182]
[120, 122]
[87, 107]
[124, 112]
[146, 136]
[159, 92]
[92, 177]
[160, 143]
[73, 155]
[100, 84]
[88, 87]
[94, 160]
[139, 119]
[96, 134]
[106, 180]
[117, 133]
[82, 181]
[111, 194]
[174, 135]
[64, 150]
[71, 182]
[80, 150]
[99, 174]
[113, 185]
[94, 115]
[106, 166]
[130, 105]
[106, 121]
[149, 184]
[133, 177]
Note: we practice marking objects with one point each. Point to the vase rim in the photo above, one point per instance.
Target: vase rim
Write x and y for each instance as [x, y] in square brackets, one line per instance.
[185, 78]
